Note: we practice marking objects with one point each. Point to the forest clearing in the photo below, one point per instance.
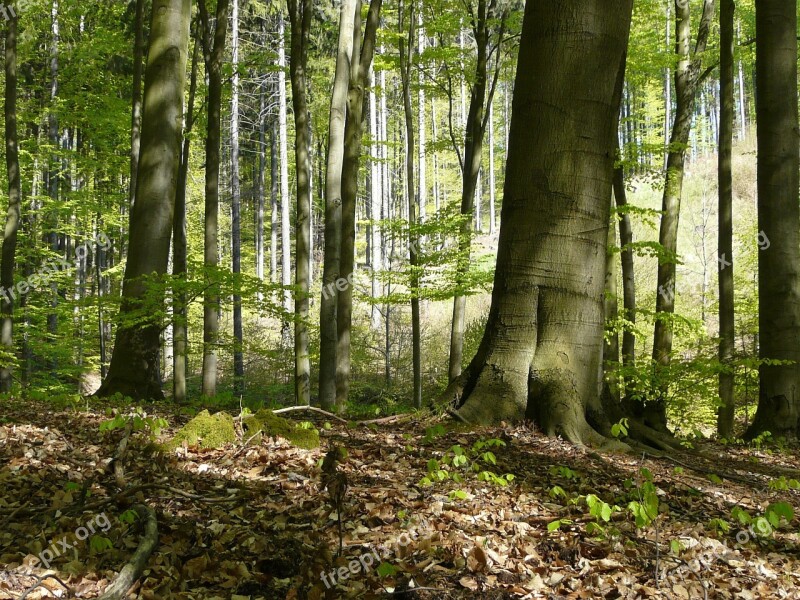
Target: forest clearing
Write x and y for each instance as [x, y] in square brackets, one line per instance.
[400, 298]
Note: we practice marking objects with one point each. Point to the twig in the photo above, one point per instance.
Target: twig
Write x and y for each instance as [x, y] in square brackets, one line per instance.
[39, 581]
[312, 409]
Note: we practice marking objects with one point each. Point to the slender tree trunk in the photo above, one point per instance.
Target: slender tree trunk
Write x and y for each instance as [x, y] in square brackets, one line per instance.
[778, 218]
[422, 171]
[535, 359]
[136, 102]
[475, 129]
[742, 98]
[214, 51]
[491, 170]
[273, 214]
[180, 333]
[359, 69]
[653, 412]
[236, 226]
[628, 277]
[331, 282]
[725, 414]
[9, 250]
[406, 56]
[261, 188]
[667, 84]
[300, 13]
[53, 168]
[283, 144]
[134, 369]
[376, 195]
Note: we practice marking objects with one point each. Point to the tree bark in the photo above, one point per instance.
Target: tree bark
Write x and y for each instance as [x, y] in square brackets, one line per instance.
[136, 95]
[725, 414]
[300, 13]
[134, 369]
[236, 225]
[778, 218]
[406, 47]
[213, 53]
[283, 146]
[333, 207]
[653, 411]
[474, 131]
[353, 132]
[9, 250]
[180, 333]
[536, 360]
[628, 277]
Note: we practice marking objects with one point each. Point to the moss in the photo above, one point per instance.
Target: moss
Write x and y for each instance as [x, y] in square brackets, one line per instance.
[274, 426]
[205, 430]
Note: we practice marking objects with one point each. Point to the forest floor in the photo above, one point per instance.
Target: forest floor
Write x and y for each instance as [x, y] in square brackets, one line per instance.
[253, 522]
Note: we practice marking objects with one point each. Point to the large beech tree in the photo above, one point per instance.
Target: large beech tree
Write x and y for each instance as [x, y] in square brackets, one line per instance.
[778, 217]
[540, 356]
[134, 369]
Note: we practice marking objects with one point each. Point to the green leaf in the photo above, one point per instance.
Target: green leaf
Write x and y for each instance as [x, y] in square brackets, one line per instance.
[553, 525]
[386, 569]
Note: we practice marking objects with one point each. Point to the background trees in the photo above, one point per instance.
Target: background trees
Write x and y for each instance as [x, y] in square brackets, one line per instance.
[382, 311]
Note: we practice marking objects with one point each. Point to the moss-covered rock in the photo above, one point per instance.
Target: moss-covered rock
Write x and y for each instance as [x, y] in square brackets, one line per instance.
[268, 423]
[205, 430]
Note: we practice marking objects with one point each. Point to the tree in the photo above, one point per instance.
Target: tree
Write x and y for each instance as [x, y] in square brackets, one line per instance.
[9, 251]
[474, 131]
[236, 220]
[778, 218]
[300, 13]
[213, 51]
[406, 48]
[360, 64]
[134, 369]
[725, 413]
[180, 333]
[653, 411]
[333, 206]
[535, 359]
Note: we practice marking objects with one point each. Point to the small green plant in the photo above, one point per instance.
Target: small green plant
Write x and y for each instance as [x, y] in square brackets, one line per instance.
[431, 433]
[99, 544]
[152, 426]
[645, 508]
[128, 517]
[620, 429]
[563, 472]
[758, 441]
[458, 461]
[783, 484]
[719, 525]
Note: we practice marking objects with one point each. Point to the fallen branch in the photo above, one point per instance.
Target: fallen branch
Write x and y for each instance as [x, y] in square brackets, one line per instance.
[311, 409]
[119, 456]
[39, 581]
[391, 419]
[133, 570]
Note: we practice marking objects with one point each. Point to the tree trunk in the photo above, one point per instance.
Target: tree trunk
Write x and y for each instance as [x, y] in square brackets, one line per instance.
[300, 12]
[9, 250]
[376, 195]
[491, 170]
[725, 414]
[474, 130]
[236, 226]
[653, 411]
[136, 94]
[536, 360]
[359, 69]
[778, 218]
[261, 188]
[180, 333]
[53, 168]
[283, 145]
[214, 51]
[406, 55]
[273, 203]
[628, 276]
[134, 369]
[333, 207]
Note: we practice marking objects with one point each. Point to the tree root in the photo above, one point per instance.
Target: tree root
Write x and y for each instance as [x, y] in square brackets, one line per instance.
[133, 570]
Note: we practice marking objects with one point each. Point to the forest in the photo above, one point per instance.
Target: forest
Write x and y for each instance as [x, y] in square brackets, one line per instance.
[426, 299]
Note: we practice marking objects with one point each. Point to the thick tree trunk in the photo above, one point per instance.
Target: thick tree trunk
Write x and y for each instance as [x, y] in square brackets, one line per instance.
[9, 250]
[180, 331]
[536, 359]
[778, 218]
[134, 369]
[406, 54]
[236, 225]
[726, 411]
[300, 12]
[359, 69]
[214, 52]
[333, 207]
[653, 411]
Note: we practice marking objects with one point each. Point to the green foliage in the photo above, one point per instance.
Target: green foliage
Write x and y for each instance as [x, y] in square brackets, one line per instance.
[458, 462]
